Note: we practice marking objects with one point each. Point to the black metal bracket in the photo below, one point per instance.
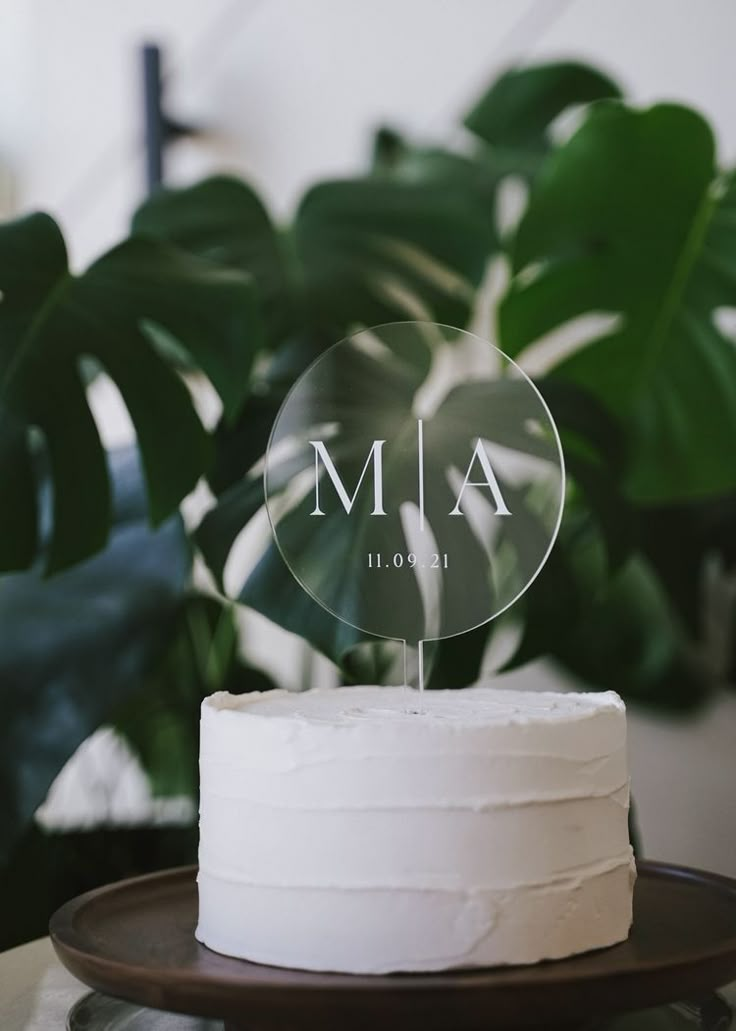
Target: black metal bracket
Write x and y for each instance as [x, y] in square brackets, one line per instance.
[159, 128]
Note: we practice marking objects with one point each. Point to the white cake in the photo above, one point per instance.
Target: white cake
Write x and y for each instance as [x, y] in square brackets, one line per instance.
[370, 830]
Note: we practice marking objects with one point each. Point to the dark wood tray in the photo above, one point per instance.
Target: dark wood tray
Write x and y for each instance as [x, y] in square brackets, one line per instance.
[135, 940]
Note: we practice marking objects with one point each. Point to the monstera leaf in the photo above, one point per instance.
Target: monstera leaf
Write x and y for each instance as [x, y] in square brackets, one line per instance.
[631, 218]
[511, 127]
[518, 110]
[611, 628]
[358, 251]
[692, 547]
[73, 647]
[117, 313]
[629, 639]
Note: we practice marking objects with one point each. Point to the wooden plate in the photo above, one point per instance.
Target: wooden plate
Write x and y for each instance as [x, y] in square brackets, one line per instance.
[135, 940]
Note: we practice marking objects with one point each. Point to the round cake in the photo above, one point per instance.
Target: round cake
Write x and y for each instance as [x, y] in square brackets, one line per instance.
[375, 829]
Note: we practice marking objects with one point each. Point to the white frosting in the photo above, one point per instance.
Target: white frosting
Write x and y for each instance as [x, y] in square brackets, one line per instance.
[371, 829]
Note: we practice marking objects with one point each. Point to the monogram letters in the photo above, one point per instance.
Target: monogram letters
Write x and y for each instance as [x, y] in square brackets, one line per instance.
[375, 460]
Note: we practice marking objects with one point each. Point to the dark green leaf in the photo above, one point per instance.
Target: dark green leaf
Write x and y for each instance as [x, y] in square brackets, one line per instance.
[457, 660]
[374, 662]
[630, 640]
[239, 445]
[511, 124]
[594, 446]
[474, 175]
[224, 221]
[615, 517]
[272, 590]
[19, 517]
[572, 577]
[376, 251]
[615, 631]
[692, 548]
[585, 424]
[520, 106]
[73, 647]
[221, 526]
[51, 321]
[629, 219]
[361, 251]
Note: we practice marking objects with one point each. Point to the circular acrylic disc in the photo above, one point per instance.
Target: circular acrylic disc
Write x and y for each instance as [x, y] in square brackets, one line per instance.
[414, 481]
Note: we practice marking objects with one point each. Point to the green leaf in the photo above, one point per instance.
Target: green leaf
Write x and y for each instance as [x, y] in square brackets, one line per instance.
[630, 640]
[692, 548]
[594, 486]
[476, 175]
[458, 660]
[223, 220]
[376, 251]
[51, 321]
[585, 425]
[360, 251]
[617, 631]
[571, 579]
[594, 447]
[511, 124]
[272, 590]
[160, 721]
[240, 444]
[74, 646]
[375, 661]
[630, 218]
[210, 313]
[519, 107]
[19, 514]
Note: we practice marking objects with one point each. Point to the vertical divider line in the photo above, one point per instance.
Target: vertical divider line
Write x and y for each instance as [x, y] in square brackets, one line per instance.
[420, 652]
[420, 454]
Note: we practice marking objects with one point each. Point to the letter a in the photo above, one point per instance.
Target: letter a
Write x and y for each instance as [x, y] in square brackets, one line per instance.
[490, 481]
[376, 453]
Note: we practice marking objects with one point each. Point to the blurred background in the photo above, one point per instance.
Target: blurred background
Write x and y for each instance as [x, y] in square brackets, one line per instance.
[290, 93]
[283, 94]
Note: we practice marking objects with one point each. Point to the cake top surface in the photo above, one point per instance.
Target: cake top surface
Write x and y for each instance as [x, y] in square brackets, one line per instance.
[477, 706]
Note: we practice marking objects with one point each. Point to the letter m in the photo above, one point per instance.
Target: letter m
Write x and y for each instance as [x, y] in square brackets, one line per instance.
[375, 456]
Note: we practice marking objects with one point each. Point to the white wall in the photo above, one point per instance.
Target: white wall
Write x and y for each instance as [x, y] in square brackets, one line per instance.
[290, 90]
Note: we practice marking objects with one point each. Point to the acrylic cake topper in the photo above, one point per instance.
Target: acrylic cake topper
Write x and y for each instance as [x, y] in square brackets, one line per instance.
[414, 482]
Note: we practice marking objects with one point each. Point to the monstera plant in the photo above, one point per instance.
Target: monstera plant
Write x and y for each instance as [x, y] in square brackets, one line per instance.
[619, 296]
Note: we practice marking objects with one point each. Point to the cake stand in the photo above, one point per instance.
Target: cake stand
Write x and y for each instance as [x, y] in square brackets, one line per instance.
[135, 940]
[97, 1012]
